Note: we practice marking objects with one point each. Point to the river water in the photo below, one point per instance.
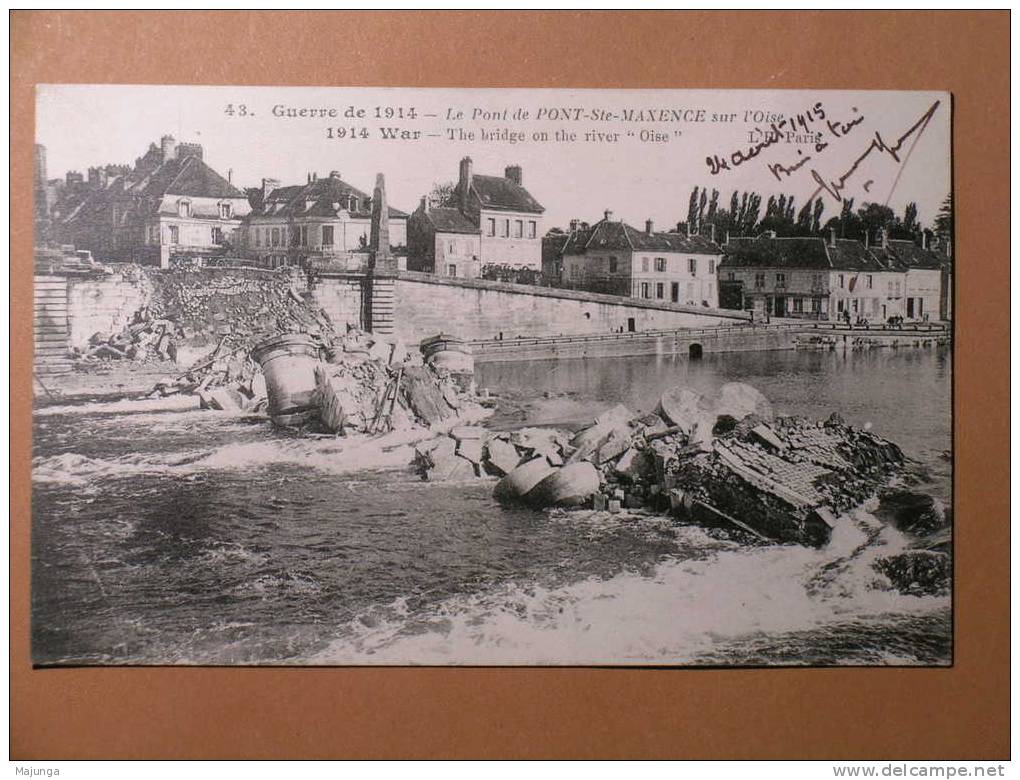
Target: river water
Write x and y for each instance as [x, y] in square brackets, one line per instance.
[164, 536]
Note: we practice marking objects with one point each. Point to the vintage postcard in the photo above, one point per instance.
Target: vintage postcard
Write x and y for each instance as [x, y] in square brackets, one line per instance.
[334, 376]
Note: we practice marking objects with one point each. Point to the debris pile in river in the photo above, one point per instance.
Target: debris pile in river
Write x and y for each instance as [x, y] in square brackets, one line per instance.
[722, 461]
[371, 385]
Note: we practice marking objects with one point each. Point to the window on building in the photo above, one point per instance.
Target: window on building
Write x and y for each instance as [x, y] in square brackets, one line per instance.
[504, 228]
[644, 263]
[532, 228]
[692, 265]
[451, 270]
[871, 281]
[613, 265]
[780, 280]
[660, 264]
[258, 236]
[731, 276]
[225, 211]
[645, 290]
[175, 234]
[575, 271]
[660, 290]
[217, 235]
[276, 237]
[518, 228]
[816, 305]
[798, 305]
[451, 247]
[841, 281]
[304, 235]
[711, 266]
[352, 203]
[184, 208]
[327, 235]
[490, 227]
[759, 281]
[295, 236]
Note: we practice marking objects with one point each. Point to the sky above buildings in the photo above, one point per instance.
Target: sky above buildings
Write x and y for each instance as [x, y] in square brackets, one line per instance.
[635, 152]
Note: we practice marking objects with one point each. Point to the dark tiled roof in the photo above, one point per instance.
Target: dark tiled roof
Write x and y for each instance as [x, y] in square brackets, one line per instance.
[189, 176]
[815, 253]
[904, 255]
[851, 255]
[317, 199]
[620, 236]
[450, 220]
[746, 252]
[495, 192]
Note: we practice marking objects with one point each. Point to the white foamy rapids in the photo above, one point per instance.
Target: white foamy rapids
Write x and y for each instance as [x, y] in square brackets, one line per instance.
[685, 609]
[172, 403]
[326, 455]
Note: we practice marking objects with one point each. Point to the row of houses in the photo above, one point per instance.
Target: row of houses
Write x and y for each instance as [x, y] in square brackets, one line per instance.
[797, 277]
[172, 206]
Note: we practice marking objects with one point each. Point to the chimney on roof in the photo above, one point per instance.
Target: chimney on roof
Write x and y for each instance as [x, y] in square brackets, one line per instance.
[711, 231]
[230, 175]
[168, 147]
[924, 239]
[574, 224]
[189, 150]
[608, 215]
[832, 236]
[424, 203]
[514, 174]
[334, 175]
[98, 177]
[883, 238]
[315, 176]
[649, 227]
[464, 184]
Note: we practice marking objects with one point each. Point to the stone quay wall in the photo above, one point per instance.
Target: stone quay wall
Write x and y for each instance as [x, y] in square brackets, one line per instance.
[104, 303]
[478, 309]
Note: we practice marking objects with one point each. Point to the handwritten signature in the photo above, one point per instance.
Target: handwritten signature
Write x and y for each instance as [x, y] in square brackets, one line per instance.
[835, 187]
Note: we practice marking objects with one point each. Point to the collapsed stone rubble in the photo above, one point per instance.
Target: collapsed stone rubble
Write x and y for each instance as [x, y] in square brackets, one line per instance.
[207, 332]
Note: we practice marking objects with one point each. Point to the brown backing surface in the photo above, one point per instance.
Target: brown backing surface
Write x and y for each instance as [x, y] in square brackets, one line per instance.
[962, 712]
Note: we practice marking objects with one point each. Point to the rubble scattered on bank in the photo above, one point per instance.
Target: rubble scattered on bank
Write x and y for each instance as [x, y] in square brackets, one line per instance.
[208, 333]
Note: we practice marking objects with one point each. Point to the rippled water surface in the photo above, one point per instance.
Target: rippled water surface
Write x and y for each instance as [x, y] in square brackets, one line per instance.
[179, 536]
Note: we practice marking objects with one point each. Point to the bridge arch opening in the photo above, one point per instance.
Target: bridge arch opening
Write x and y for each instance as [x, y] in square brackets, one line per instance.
[695, 351]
